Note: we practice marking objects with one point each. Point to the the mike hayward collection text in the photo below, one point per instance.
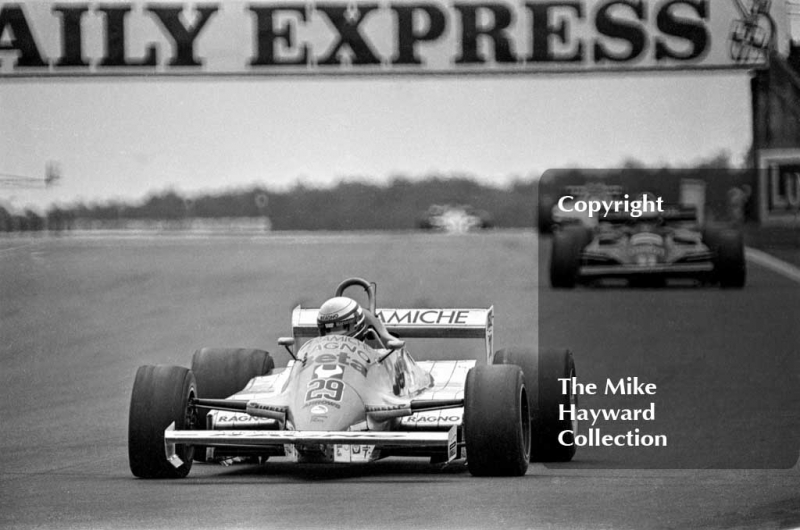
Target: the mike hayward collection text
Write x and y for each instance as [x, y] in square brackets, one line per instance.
[594, 437]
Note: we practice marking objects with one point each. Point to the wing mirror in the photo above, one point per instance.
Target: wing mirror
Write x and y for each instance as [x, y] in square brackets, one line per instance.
[393, 345]
[287, 342]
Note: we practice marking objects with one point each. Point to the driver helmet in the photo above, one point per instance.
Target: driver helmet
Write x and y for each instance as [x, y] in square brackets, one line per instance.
[341, 316]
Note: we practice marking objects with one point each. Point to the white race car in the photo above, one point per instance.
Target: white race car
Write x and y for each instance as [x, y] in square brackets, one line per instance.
[455, 219]
[344, 400]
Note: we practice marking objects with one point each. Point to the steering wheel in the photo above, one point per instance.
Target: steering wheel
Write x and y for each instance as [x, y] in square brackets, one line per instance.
[369, 287]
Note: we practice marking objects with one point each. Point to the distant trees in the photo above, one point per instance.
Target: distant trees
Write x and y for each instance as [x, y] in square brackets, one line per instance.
[347, 205]
[27, 221]
[397, 205]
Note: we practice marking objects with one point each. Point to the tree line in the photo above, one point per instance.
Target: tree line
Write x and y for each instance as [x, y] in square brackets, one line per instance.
[399, 204]
[348, 205]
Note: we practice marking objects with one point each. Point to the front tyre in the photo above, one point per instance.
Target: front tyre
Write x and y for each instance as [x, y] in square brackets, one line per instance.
[161, 395]
[497, 427]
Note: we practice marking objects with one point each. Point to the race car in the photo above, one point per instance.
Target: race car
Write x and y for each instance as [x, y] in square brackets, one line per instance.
[648, 250]
[345, 400]
[454, 219]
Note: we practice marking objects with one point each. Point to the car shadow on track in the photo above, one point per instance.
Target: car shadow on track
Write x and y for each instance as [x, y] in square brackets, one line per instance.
[412, 469]
[648, 285]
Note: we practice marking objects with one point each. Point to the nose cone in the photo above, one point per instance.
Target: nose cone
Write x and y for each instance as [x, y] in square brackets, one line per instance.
[333, 407]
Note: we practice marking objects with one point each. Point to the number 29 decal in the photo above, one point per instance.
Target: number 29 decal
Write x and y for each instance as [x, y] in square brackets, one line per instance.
[330, 389]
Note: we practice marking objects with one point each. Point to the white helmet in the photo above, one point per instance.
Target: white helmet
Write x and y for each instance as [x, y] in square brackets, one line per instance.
[341, 316]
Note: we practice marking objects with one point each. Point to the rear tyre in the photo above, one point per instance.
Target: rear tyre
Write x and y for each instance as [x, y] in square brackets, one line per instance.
[424, 224]
[547, 425]
[727, 246]
[222, 372]
[710, 236]
[545, 216]
[497, 428]
[568, 243]
[161, 396]
[528, 361]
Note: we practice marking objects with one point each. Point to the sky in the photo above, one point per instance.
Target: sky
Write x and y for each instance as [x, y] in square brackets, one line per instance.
[124, 139]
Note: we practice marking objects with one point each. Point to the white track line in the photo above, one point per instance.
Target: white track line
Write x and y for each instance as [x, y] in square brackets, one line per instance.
[774, 264]
[9, 249]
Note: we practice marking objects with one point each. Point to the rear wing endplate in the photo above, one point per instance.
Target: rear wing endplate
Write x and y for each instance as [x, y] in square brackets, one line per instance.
[415, 323]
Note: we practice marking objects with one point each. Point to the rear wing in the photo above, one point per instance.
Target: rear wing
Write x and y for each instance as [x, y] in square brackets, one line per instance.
[680, 212]
[416, 323]
[671, 213]
[595, 189]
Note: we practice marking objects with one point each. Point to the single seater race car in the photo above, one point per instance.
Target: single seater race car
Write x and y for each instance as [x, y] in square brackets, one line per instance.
[344, 400]
[648, 250]
[455, 219]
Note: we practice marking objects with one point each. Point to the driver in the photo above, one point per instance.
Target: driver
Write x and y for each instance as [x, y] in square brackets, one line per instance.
[343, 316]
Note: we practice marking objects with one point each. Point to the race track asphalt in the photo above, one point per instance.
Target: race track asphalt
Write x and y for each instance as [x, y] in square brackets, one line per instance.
[79, 314]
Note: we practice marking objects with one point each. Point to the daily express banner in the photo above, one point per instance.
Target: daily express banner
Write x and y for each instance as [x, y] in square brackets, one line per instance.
[375, 37]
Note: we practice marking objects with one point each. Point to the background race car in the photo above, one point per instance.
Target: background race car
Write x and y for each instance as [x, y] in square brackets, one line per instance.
[648, 250]
[458, 218]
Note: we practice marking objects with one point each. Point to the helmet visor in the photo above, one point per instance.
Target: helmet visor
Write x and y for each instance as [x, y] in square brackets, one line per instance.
[336, 328]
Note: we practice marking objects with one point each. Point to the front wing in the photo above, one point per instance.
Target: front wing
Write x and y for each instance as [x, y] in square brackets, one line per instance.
[619, 263]
[676, 270]
[289, 439]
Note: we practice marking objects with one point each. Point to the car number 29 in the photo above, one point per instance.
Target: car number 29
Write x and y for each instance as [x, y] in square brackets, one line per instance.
[331, 389]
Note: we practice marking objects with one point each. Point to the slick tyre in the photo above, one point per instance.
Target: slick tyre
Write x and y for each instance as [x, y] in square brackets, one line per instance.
[710, 236]
[161, 396]
[547, 425]
[729, 262]
[497, 427]
[527, 360]
[565, 260]
[545, 216]
[222, 372]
